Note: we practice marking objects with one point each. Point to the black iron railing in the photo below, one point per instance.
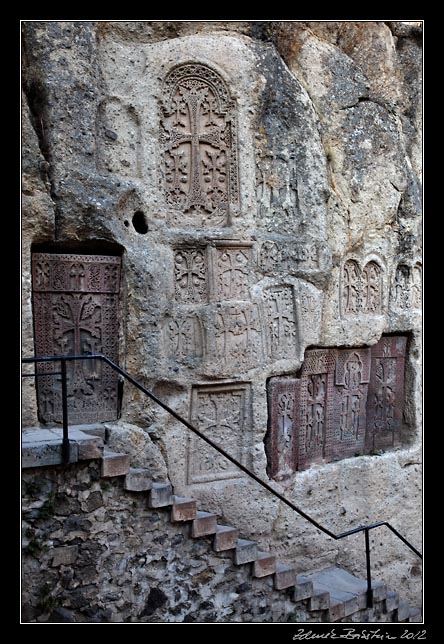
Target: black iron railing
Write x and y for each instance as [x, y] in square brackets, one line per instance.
[66, 453]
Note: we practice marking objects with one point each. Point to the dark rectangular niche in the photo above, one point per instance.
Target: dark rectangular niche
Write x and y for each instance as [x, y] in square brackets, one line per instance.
[344, 403]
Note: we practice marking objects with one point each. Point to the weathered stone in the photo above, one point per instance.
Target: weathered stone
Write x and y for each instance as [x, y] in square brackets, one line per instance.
[204, 524]
[285, 576]
[138, 479]
[183, 509]
[245, 551]
[114, 464]
[225, 538]
[303, 588]
[65, 555]
[302, 169]
[161, 495]
[402, 613]
[44, 453]
[264, 565]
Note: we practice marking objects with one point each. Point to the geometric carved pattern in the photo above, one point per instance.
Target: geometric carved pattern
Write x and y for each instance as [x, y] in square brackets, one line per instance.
[346, 402]
[190, 275]
[281, 441]
[233, 266]
[222, 413]
[237, 333]
[279, 308]
[361, 289]
[198, 136]
[407, 287]
[386, 393]
[75, 304]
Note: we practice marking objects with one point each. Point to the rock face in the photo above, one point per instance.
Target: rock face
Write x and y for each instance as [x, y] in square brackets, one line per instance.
[258, 185]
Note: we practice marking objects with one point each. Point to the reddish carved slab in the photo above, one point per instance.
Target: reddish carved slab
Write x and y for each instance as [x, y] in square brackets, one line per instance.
[75, 302]
[316, 399]
[386, 393]
[281, 443]
[352, 375]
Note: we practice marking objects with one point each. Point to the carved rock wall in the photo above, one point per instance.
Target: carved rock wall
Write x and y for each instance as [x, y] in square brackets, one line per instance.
[261, 183]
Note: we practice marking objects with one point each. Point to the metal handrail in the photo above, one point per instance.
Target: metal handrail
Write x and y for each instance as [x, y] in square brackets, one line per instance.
[127, 376]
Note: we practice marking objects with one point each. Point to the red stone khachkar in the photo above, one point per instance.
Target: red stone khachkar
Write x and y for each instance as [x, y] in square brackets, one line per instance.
[75, 302]
[316, 411]
[282, 435]
[386, 393]
[346, 402]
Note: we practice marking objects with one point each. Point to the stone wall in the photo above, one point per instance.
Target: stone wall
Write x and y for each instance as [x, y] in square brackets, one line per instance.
[93, 552]
[307, 137]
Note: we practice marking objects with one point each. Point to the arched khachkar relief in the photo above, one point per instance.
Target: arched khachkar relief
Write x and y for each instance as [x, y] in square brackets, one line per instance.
[118, 139]
[406, 292]
[198, 138]
[75, 305]
[361, 289]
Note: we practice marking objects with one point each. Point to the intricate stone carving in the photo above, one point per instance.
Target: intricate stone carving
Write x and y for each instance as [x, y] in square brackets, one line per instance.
[352, 377]
[118, 138]
[385, 393]
[407, 287]
[232, 272]
[75, 303]
[281, 443]
[190, 274]
[361, 290]
[183, 338]
[237, 333]
[199, 144]
[222, 413]
[316, 406]
[291, 258]
[279, 310]
[277, 191]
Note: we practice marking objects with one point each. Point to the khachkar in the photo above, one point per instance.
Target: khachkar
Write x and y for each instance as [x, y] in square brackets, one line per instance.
[75, 301]
[346, 402]
[198, 138]
[386, 393]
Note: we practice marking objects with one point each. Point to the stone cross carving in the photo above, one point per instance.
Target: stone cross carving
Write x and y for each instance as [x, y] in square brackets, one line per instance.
[198, 136]
[221, 412]
[361, 290]
[75, 303]
[386, 393]
[279, 311]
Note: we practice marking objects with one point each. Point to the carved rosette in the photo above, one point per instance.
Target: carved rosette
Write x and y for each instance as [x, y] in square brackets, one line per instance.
[198, 138]
[75, 302]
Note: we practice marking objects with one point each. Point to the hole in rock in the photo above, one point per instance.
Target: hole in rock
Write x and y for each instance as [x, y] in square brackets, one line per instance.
[139, 222]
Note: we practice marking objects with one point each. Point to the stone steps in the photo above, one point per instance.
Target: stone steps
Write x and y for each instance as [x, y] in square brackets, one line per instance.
[334, 593]
[331, 595]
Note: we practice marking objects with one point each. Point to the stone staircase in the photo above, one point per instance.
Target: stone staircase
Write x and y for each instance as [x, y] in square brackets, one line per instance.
[330, 595]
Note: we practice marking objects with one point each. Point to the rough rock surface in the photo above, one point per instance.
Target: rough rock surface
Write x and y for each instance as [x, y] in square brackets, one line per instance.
[323, 159]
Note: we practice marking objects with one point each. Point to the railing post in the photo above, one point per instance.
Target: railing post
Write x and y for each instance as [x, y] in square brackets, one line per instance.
[65, 439]
[369, 573]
